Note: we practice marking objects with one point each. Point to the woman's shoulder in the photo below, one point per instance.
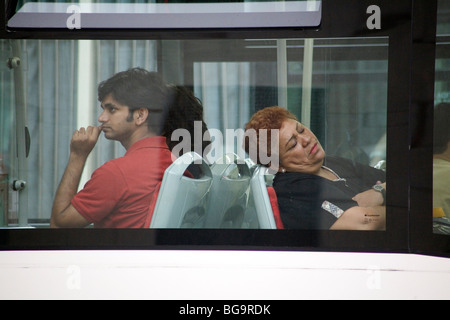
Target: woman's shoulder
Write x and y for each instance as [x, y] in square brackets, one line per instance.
[335, 161]
[293, 176]
[293, 182]
[348, 169]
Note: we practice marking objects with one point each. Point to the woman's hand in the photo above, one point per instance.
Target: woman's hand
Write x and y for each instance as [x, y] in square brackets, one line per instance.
[370, 198]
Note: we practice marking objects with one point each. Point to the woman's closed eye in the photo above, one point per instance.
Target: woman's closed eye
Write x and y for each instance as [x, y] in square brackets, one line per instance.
[293, 144]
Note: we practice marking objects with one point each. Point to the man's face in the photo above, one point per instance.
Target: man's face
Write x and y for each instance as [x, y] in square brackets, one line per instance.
[115, 120]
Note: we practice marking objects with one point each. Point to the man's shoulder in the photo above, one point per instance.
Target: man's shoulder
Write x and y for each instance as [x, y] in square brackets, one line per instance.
[157, 157]
[109, 167]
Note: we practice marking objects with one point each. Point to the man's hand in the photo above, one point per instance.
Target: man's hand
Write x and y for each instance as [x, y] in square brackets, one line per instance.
[84, 140]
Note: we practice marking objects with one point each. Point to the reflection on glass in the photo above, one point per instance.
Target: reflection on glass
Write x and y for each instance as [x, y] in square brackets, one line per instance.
[335, 87]
[441, 150]
[163, 1]
[441, 169]
[166, 14]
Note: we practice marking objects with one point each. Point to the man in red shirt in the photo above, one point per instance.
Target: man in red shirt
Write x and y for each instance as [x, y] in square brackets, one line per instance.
[119, 193]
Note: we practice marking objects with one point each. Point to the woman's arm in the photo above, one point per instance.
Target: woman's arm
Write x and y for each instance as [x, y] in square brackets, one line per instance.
[362, 218]
[370, 198]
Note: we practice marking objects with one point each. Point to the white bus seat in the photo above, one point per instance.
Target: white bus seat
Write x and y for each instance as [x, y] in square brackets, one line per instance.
[181, 201]
[229, 193]
[259, 199]
[252, 165]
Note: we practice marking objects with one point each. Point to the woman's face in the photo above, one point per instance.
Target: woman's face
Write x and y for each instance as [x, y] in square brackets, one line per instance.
[300, 151]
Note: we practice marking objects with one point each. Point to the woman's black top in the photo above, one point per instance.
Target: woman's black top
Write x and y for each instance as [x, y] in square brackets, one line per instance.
[302, 197]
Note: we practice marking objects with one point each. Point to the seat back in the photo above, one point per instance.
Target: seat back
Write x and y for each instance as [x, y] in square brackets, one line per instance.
[259, 199]
[182, 199]
[229, 193]
[275, 209]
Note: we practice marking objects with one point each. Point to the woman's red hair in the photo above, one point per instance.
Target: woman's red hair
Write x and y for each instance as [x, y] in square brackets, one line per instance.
[267, 119]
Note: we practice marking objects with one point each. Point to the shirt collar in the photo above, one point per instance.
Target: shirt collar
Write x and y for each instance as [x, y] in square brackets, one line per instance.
[150, 142]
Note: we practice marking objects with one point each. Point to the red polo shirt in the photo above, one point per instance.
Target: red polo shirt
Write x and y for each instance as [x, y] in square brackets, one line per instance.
[120, 192]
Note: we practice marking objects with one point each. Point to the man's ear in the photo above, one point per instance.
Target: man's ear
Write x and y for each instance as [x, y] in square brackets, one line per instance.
[141, 116]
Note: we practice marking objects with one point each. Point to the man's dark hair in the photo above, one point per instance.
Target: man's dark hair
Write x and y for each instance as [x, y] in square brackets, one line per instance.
[441, 127]
[138, 88]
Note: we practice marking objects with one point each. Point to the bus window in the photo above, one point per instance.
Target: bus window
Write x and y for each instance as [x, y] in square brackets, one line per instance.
[441, 150]
[357, 87]
[159, 14]
[6, 127]
[335, 87]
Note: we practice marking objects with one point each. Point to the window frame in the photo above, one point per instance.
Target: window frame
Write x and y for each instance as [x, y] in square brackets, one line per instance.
[423, 62]
[410, 26]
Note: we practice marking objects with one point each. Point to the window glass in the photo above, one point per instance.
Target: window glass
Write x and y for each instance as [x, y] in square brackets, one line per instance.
[6, 127]
[21, 2]
[166, 14]
[441, 153]
[335, 87]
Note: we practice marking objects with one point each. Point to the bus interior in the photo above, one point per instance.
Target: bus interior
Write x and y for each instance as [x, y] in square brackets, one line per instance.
[366, 85]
